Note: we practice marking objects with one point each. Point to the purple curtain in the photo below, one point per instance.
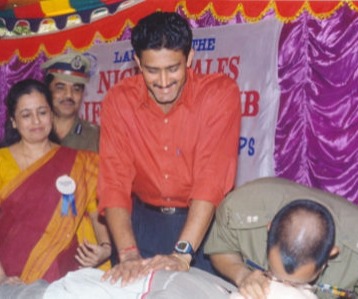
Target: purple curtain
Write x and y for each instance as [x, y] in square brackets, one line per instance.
[316, 134]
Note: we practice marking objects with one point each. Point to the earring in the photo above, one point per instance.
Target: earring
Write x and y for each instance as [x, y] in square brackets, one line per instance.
[13, 123]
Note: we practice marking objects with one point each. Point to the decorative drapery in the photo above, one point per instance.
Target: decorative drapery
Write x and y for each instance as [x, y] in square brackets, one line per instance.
[31, 9]
[287, 10]
[27, 19]
[316, 134]
[82, 37]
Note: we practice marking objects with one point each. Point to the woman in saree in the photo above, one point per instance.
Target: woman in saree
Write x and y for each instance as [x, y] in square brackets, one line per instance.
[48, 210]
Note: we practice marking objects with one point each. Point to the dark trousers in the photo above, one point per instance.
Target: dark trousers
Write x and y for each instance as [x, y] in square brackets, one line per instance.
[157, 233]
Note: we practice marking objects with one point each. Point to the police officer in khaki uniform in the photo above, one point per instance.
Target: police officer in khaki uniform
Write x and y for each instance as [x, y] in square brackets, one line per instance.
[238, 240]
[66, 76]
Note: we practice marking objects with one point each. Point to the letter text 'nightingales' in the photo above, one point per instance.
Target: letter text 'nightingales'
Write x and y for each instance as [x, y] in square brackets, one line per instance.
[67, 186]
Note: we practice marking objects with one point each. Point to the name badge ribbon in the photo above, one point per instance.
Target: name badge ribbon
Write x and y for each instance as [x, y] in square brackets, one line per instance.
[67, 186]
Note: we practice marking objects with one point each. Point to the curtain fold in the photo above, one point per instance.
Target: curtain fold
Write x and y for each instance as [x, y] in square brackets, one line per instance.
[316, 134]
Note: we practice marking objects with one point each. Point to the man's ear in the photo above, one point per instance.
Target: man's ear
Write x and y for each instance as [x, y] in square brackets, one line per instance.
[190, 57]
[268, 226]
[334, 252]
[137, 60]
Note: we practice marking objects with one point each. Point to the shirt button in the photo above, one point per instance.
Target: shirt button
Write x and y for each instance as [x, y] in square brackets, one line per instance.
[165, 148]
[168, 199]
[166, 120]
[166, 176]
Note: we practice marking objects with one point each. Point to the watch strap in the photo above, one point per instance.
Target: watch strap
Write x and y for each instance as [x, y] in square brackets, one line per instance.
[184, 247]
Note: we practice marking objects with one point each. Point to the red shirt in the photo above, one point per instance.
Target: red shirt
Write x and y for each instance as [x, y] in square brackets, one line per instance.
[169, 159]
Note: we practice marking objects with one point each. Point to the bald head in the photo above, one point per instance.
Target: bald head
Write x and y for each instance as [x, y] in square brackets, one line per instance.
[304, 232]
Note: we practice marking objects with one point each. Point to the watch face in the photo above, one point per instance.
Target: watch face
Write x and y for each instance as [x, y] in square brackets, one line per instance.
[183, 246]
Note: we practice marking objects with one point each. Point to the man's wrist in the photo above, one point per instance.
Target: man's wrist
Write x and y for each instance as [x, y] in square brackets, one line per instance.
[242, 274]
[106, 244]
[184, 248]
[128, 253]
[131, 248]
[183, 258]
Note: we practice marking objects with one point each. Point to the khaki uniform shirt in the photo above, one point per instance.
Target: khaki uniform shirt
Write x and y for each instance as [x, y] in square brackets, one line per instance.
[83, 136]
[242, 219]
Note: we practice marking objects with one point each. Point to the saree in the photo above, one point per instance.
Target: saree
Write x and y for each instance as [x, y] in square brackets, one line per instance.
[36, 240]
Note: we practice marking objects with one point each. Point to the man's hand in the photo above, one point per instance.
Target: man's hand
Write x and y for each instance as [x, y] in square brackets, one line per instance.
[136, 267]
[92, 255]
[172, 262]
[128, 269]
[255, 286]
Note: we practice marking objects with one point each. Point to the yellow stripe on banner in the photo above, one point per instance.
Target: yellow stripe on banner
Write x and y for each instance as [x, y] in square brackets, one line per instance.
[52, 8]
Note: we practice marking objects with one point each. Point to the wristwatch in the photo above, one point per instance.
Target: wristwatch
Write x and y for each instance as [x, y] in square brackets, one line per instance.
[184, 247]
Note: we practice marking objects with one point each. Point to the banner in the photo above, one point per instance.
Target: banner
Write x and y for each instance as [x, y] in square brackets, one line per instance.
[246, 53]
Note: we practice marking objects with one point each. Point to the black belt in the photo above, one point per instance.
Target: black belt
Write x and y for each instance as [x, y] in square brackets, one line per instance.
[164, 210]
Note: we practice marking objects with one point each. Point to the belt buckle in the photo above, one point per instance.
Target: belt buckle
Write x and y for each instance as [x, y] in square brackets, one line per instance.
[167, 210]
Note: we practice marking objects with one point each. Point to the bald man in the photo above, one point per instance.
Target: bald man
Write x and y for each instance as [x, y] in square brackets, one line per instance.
[304, 237]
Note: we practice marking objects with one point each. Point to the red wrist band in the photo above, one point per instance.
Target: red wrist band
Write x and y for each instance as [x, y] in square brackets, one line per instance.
[128, 249]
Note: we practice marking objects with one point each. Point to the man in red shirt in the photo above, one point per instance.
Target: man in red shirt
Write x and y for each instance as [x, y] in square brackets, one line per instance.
[170, 138]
